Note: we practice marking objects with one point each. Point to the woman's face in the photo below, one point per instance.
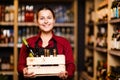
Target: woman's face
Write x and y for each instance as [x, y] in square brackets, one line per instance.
[45, 20]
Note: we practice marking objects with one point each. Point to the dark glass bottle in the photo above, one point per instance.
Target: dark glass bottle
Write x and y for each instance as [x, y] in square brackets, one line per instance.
[31, 54]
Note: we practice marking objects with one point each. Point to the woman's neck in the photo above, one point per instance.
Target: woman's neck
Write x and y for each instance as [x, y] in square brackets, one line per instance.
[45, 38]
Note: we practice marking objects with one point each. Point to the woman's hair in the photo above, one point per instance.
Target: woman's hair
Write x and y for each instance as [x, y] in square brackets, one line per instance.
[45, 7]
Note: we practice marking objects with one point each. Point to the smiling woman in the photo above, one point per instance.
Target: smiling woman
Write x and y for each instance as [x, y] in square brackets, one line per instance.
[46, 40]
[46, 20]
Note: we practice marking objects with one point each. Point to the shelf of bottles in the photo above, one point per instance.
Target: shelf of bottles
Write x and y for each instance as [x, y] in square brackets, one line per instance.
[28, 27]
[101, 24]
[6, 50]
[90, 37]
[102, 12]
[64, 21]
[89, 59]
[90, 29]
[88, 72]
[100, 66]
[6, 36]
[26, 13]
[115, 9]
[6, 41]
[27, 18]
[6, 25]
[101, 45]
[115, 73]
[6, 13]
[101, 38]
[115, 39]
[89, 69]
[27, 32]
[115, 17]
[6, 77]
[101, 71]
[6, 61]
[114, 52]
[106, 55]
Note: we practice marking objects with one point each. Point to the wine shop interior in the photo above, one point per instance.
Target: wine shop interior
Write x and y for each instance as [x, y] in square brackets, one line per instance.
[91, 27]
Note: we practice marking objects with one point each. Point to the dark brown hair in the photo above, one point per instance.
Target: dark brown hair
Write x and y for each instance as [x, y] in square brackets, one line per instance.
[45, 7]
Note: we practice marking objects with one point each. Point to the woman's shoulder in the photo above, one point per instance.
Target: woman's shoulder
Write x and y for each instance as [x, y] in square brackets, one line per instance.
[32, 39]
[61, 39]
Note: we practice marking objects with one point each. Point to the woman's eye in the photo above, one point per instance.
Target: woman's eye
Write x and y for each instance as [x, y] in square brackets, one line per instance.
[41, 18]
[50, 17]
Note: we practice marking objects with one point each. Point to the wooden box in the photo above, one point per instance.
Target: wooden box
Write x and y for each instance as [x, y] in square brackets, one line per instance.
[46, 66]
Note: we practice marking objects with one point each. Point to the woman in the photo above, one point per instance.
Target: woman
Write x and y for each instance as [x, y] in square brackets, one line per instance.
[46, 39]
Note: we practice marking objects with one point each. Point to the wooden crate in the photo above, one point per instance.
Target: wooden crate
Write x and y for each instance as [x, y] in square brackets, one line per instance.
[46, 66]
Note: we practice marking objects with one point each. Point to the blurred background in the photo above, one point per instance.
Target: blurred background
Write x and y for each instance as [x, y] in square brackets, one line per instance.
[91, 26]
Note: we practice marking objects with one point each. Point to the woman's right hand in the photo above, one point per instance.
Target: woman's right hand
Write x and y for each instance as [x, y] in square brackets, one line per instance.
[28, 74]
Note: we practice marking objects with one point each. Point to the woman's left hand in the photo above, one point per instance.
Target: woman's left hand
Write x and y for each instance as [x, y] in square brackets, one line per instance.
[63, 75]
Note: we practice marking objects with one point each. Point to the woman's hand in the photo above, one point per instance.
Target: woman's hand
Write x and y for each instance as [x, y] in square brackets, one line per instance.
[63, 75]
[28, 74]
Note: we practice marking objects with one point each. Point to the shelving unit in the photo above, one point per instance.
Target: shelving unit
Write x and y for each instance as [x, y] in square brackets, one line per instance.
[104, 24]
[17, 26]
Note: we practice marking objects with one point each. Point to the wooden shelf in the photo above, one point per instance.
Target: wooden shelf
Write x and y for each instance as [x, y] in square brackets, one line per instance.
[90, 25]
[6, 72]
[113, 21]
[16, 25]
[85, 76]
[111, 57]
[103, 4]
[44, 1]
[7, 23]
[7, 45]
[101, 49]
[114, 52]
[34, 24]
[90, 47]
[102, 23]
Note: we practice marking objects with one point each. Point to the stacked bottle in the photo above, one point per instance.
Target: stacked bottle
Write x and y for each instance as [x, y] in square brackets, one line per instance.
[26, 32]
[6, 63]
[115, 9]
[114, 73]
[7, 13]
[89, 65]
[6, 36]
[26, 13]
[67, 32]
[102, 37]
[115, 42]
[102, 14]
[101, 70]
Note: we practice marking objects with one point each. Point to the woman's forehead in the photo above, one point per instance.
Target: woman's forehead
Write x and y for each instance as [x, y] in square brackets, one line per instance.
[45, 12]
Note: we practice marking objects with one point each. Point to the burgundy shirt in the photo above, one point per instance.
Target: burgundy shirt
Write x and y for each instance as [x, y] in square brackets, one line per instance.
[63, 47]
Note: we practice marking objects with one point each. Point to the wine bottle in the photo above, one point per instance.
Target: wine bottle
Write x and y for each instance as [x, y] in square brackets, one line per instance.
[54, 52]
[31, 54]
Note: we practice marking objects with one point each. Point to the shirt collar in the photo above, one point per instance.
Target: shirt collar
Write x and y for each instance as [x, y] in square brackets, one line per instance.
[53, 36]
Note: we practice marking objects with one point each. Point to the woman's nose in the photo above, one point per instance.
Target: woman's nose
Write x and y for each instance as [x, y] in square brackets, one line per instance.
[46, 21]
